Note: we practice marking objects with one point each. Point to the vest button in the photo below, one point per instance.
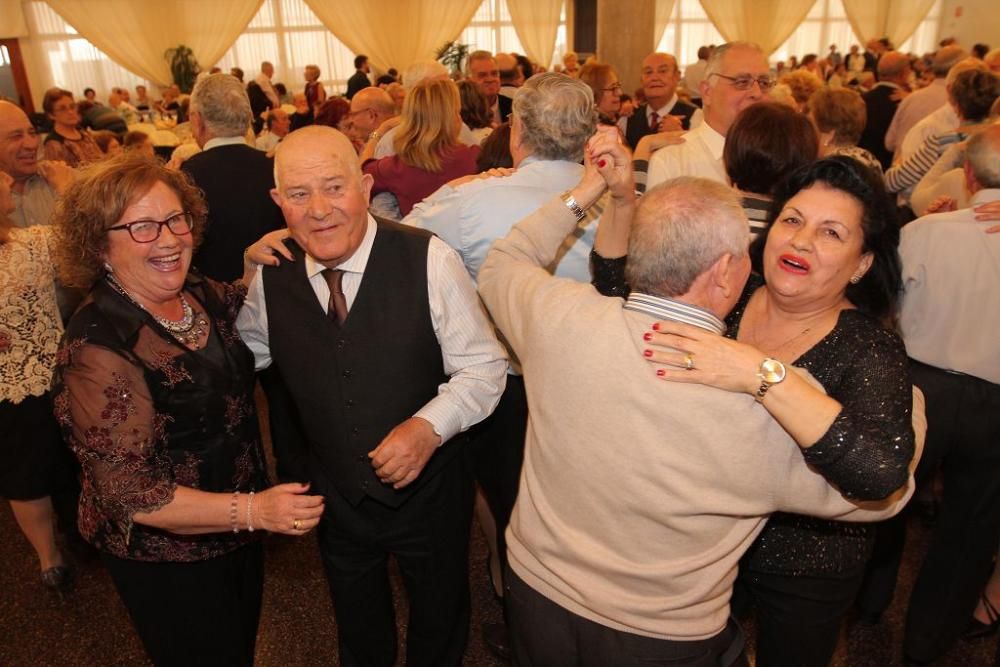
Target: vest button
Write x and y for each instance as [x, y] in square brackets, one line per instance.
[362, 458]
[341, 342]
[349, 402]
[355, 430]
[364, 484]
[347, 373]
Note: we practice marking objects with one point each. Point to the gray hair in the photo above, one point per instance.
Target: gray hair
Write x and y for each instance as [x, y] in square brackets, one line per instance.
[223, 104]
[556, 116]
[714, 65]
[945, 59]
[681, 228]
[425, 69]
[983, 156]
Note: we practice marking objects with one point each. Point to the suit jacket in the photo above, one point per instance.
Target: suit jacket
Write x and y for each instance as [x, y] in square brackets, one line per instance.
[505, 105]
[638, 123]
[358, 81]
[881, 108]
[237, 181]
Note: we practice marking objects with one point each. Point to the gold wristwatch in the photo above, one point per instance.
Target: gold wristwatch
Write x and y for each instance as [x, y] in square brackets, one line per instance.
[770, 372]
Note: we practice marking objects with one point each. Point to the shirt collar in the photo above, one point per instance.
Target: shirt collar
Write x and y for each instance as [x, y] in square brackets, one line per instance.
[215, 142]
[676, 311]
[665, 109]
[356, 263]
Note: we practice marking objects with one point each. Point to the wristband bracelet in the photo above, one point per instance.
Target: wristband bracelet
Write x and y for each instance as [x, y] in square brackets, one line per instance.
[573, 206]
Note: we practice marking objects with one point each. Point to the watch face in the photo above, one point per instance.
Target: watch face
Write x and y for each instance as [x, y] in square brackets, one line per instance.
[772, 371]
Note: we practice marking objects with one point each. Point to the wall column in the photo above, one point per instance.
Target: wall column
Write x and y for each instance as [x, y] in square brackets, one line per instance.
[625, 37]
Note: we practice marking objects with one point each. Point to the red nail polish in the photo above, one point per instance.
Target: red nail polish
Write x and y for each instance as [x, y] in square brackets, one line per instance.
[660, 373]
[647, 353]
[656, 326]
[647, 336]
[601, 163]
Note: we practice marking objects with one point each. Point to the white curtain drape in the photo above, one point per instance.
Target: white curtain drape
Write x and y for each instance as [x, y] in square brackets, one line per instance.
[895, 19]
[136, 33]
[664, 10]
[12, 20]
[393, 33]
[536, 23]
[766, 22]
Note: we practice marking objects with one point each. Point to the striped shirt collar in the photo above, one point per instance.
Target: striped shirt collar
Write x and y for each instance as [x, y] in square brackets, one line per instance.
[677, 311]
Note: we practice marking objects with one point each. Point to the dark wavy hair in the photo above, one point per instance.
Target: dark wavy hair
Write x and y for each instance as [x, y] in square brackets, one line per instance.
[878, 291]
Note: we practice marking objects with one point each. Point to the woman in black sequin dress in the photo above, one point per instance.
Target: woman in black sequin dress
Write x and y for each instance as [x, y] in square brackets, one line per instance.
[828, 275]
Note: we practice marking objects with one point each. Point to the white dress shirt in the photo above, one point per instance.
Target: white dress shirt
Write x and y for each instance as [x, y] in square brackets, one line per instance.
[700, 155]
[264, 82]
[473, 358]
[950, 312]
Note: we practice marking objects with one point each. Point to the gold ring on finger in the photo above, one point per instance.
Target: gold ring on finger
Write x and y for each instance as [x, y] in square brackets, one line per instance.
[688, 362]
[296, 525]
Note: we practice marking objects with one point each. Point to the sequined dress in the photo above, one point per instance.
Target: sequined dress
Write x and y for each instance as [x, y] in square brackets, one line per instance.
[144, 414]
[865, 452]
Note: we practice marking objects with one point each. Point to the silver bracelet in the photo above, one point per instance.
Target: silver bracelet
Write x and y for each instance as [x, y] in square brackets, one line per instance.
[574, 207]
[249, 510]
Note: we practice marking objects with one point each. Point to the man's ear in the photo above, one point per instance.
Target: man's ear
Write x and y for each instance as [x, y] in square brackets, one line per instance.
[276, 197]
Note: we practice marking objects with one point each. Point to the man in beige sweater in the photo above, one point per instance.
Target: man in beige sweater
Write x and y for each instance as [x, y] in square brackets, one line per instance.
[637, 496]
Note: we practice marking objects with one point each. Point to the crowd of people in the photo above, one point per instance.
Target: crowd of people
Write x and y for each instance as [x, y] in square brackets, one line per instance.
[695, 348]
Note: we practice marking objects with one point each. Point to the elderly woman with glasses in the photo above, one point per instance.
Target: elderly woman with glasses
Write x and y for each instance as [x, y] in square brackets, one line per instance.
[154, 393]
[66, 141]
[603, 81]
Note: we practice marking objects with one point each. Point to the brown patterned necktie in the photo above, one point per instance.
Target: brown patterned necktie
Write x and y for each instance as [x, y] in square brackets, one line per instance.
[336, 310]
[654, 122]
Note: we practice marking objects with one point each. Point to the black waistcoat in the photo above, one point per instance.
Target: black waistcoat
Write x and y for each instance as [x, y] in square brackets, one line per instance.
[353, 384]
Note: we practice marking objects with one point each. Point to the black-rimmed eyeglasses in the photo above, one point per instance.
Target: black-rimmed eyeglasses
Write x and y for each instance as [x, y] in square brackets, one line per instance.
[147, 231]
[746, 81]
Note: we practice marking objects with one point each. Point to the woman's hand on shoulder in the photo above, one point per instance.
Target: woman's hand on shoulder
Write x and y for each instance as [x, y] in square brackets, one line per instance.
[990, 212]
[686, 353]
[266, 250]
[287, 509]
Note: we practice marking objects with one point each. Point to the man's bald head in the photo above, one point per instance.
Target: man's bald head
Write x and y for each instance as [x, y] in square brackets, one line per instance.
[894, 67]
[18, 143]
[370, 107]
[314, 143]
[945, 59]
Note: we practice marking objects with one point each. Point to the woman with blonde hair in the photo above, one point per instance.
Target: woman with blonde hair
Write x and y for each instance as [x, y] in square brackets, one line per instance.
[428, 151]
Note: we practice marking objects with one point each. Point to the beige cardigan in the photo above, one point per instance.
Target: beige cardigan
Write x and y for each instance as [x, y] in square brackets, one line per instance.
[637, 496]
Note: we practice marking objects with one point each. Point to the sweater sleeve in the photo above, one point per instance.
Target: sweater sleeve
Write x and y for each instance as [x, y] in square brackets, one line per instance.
[908, 173]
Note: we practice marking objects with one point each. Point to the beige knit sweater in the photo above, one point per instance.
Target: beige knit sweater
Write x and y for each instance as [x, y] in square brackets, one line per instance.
[637, 496]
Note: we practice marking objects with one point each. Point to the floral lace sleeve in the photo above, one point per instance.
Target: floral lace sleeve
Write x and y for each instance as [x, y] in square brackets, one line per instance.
[608, 275]
[106, 408]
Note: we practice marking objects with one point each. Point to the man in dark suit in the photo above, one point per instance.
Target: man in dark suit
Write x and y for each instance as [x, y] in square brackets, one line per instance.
[359, 80]
[663, 111]
[881, 103]
[384, 414]
[237, 181]
[482, 69]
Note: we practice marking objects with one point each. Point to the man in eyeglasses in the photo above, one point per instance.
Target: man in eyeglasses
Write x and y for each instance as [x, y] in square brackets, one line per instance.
[663, 111]
[370, 107]
[736, 77]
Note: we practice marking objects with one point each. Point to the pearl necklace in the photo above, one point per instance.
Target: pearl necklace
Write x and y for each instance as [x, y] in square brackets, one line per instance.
[187, 331]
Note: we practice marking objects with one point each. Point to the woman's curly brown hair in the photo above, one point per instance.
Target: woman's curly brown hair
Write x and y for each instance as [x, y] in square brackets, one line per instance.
[98, 199]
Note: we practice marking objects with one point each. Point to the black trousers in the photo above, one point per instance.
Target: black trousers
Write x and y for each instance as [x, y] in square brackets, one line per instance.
[547, 635]
[798, 617]
[288, 439]
[201, 613]
[429, 537]
[497, 454]
[963, 437]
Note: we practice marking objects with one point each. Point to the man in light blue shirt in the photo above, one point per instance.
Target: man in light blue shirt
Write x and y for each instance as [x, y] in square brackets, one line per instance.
[552, 119]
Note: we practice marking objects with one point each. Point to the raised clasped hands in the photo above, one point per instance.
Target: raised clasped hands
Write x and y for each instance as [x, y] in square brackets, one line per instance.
[607, 165]
[402, 455]
[686, 353]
